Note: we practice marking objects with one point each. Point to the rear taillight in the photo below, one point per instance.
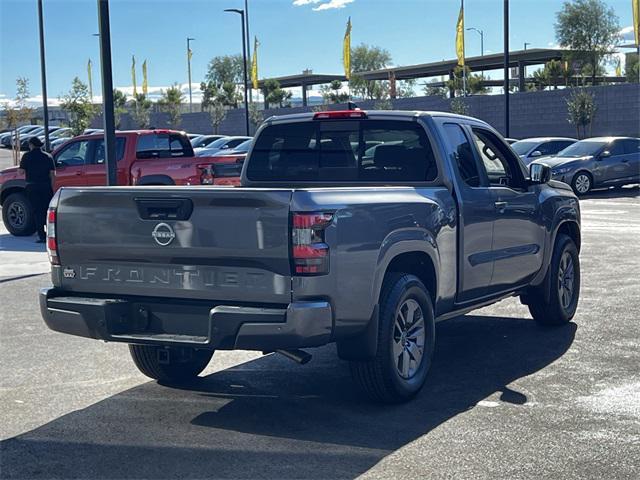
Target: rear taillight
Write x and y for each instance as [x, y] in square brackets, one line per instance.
[310, 253]
[206, 174]
[52, 243]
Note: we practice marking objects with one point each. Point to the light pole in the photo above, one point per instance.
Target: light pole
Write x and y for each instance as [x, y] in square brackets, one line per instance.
[189, 40]
[526, 44]
[246, 21]
[481, 33]
[506, 67]
[107, 93]
[43, 73]
[244, 65]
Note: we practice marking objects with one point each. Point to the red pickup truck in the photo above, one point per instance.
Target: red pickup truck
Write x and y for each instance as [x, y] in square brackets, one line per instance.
[145, 157]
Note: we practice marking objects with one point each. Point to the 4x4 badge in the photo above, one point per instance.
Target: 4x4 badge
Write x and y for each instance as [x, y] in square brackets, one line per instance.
[163, 234]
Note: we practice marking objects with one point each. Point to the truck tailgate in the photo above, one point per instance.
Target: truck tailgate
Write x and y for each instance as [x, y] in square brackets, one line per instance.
[217, 244]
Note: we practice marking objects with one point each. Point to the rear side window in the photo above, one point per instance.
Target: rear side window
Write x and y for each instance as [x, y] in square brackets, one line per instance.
[463, 154]
[631, 146]
[343, 151]
[99, 155]
[159, 145]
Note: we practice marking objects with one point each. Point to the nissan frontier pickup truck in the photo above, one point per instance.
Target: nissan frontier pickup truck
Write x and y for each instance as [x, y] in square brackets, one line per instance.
[362, 228]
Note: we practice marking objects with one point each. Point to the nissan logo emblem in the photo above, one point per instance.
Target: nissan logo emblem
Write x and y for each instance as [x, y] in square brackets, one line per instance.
[163, 234]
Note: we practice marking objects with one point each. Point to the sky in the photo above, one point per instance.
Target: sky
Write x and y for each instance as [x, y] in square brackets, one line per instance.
[294, 35]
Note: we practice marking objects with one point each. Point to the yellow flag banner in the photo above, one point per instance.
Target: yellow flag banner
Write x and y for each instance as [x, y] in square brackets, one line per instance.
[189, 54]
[346, 51]
[133, 74]
[145, 83]
[90, 79]
[636, 20]
[460, 36]
[618, 68]
[254, 63]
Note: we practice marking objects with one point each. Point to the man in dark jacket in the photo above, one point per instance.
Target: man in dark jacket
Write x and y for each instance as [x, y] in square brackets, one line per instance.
[39, 171]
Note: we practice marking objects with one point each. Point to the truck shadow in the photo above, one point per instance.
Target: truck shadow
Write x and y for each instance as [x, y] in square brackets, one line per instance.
[9, 243]
[270, 418]
[632, 191]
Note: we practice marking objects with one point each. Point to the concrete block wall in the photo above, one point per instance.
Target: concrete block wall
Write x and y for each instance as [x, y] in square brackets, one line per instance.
[532, 113]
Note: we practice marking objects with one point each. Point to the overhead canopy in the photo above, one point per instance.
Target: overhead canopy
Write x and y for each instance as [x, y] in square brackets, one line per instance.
[487, 62]
[305, 79]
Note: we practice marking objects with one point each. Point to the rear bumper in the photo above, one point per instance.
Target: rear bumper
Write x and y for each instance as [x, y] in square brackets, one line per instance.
[187, 323]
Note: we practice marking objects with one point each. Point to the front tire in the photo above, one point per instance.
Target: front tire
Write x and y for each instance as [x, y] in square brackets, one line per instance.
[406, 340]
[18, 215]
[563, 282]
[582, 183]
[170, 365]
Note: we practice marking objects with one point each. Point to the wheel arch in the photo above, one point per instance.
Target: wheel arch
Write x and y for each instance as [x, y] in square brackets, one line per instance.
[10, 187]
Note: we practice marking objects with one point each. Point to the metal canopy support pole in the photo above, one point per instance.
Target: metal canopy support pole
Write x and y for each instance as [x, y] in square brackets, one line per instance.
[107, 93]
[189, 72]
[522, 72]
[43, 72]
[506, 68]
[304, 94]
[452, 90]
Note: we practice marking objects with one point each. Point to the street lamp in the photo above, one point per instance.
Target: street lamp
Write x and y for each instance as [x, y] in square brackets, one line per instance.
[43, 73]
[481, 33]
[505, 19]
[526, 44]
[189, 40]
[244, 65]
[246, 21]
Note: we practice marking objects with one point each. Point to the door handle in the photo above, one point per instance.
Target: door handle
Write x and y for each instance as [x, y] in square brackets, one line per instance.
[625, 160]
[500, 205]
[78, 172]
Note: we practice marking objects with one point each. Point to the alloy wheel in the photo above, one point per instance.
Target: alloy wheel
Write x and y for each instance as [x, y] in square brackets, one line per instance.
[583, 183]
[408, 338]
[566, 280]
[16, 214]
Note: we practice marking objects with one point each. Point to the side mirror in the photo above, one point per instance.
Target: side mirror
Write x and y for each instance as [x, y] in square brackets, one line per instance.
[605, 154]
[539, 173]
[536, 153]
[60, 164]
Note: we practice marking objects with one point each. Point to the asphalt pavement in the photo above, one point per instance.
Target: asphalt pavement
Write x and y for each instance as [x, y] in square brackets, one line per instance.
[505, 398]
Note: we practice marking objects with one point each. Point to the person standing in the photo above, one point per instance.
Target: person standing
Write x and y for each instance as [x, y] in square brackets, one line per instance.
[39, 170]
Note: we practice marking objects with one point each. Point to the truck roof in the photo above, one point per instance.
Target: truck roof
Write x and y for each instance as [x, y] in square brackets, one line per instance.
[375, 114]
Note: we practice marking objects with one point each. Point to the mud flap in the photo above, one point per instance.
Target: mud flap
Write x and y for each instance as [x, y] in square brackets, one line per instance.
[362, 346]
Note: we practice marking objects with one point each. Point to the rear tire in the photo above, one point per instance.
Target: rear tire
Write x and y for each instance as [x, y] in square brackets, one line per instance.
[563, 281]
[406, 340]
[178, 365]
[18, 215]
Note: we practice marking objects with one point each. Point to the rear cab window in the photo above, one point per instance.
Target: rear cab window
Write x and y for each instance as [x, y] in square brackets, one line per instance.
[163, 145]
[343, 151]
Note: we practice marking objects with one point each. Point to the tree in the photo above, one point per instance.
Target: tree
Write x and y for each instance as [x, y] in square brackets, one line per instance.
[119, 106]
[221, 81]
[18, 114]
[553, 70]
[170, 102]
[459, 106]
[432, 90]
[141, 109]
[540, 79]
[217, 114]
[77, 104]
[256, 116]
[331, 93]
[473, 82]
[631, 67]
[590, 28]
[273, 94]
[405, 88]
[581, 110]
[365, 58]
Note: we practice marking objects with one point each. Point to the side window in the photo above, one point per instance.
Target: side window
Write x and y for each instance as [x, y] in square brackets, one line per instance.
[616, 148]
[631, 146]
[463, 154]
[99, 155]
[76, 153]
[553, 147]
[501, 167]
[160, 145]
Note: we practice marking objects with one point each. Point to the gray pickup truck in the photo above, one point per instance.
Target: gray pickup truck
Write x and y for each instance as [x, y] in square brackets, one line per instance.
[360, 228]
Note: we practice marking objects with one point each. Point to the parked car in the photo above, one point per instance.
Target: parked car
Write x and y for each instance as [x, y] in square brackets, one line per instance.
[322, 243]
[145, 157]
[58, 142]
[60, 132]
[531, 149]
[225, 168]
[597, 163]
[225, 143]
[510, 141]
[89, 131]
[202, 141]
[6, 140]
[24, 139]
